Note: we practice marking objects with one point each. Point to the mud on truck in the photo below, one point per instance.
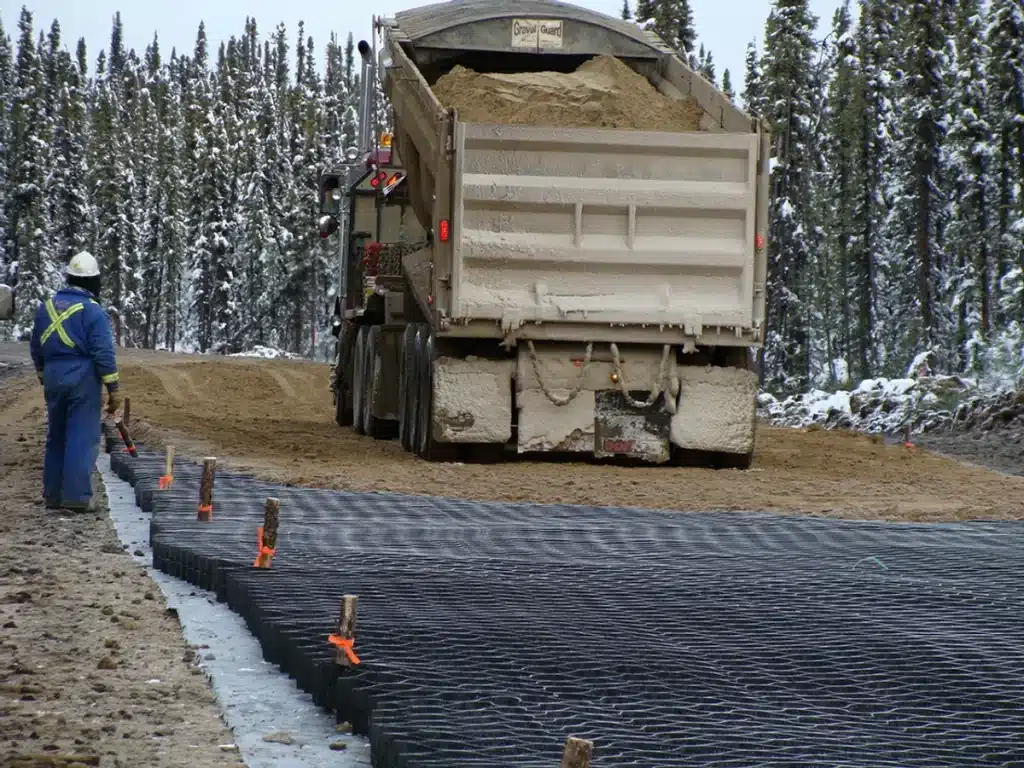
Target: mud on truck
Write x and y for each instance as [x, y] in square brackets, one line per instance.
[575, 280]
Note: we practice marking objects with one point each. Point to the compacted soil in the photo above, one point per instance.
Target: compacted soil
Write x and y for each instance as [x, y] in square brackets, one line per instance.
[276, 419]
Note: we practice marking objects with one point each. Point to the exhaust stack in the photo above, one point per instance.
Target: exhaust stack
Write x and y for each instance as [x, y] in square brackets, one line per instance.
[367, 93]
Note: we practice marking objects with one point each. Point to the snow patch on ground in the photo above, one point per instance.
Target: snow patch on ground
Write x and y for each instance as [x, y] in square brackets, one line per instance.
[886, 406]
[267, 353]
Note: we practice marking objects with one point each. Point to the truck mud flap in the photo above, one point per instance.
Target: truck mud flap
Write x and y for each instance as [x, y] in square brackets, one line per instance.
[623, 430]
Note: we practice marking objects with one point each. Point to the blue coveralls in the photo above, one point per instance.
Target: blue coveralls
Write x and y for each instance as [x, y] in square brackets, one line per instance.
[73, 348]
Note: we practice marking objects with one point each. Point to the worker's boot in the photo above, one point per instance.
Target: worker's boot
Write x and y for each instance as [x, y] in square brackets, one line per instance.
[53, 504]
[77, 507]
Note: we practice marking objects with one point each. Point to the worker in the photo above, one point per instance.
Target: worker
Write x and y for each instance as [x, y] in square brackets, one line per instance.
[73, 351]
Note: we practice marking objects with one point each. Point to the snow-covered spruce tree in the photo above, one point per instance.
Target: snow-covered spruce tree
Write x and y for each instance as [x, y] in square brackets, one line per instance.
[706, 65]
[727, 88]
[172, 233]
[824, 364]
[789, 93]
[918, 291]
[151, 203]
[112, 166]
[282, 179]
[255, 218]
[1005, 68]
[869, 252]
[212, 250]
[350, 121]
[69, 176]
[198, 283]
[133, 184]
[6, 94]
[837, 295]
[38, 272]
[334, 100]
[968, 184]
[323, 264]
[54, 62]
[753, 91]
[672, 21]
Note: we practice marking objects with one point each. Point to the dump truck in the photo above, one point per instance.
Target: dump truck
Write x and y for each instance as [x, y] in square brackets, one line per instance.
[514, 288]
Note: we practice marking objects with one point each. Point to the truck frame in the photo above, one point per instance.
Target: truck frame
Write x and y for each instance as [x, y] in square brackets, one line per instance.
[546, 290]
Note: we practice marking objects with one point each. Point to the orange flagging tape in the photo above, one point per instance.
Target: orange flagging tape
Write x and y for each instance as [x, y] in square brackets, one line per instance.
[205, 510]
[165, 482]
[346, 645]
[265, 553]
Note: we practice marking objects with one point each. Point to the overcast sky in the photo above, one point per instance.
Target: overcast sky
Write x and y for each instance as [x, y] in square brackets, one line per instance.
[724, 26]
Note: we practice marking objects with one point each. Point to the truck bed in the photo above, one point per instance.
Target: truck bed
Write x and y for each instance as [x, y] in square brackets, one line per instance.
[603, 226]
[594, 226]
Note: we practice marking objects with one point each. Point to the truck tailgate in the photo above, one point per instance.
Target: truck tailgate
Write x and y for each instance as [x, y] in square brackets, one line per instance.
[603, 226]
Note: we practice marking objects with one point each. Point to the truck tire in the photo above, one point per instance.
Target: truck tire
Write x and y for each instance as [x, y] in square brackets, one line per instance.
[426, 447]
[734, 460]
[372, 426]
[407, 388]
[343, 383]
[358, 380]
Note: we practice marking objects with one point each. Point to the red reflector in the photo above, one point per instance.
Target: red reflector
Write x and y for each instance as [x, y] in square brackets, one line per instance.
[759, 241]
[444, 230]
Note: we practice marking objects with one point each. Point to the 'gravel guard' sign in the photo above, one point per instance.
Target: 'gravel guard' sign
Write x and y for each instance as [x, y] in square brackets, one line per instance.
[537, 33]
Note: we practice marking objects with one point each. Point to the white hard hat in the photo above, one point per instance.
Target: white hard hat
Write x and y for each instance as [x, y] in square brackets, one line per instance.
[84, 264]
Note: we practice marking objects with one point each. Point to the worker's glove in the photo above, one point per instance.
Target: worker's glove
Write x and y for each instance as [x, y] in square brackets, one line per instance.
[114, 401]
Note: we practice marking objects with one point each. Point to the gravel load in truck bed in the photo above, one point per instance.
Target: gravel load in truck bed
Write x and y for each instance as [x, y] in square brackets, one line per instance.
[602, 93]
[488, 632]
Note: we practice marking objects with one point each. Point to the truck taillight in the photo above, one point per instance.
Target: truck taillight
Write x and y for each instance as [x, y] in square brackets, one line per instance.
[443, 230]
[759, 241]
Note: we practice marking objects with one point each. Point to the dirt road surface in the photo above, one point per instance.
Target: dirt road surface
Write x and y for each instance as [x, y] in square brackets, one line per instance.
[276, 419]
[93, 669]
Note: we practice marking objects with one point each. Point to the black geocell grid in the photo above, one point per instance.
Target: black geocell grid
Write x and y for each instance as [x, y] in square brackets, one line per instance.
[489, 632]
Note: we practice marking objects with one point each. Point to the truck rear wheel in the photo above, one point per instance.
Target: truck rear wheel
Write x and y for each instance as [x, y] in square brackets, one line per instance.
[711, 459]
[343, 378]
[426, 447]
[372, 426]
[407, 388]
[358, 380]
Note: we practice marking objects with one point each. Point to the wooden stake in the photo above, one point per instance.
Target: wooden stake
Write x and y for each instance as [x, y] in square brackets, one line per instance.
[577, 753]
[126, 418]
[205, 511]
[271, 517]
[268, 533]
[346, 630]
[168, 476]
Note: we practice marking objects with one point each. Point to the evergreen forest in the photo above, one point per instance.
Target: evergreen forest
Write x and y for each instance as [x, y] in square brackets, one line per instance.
[897, 184]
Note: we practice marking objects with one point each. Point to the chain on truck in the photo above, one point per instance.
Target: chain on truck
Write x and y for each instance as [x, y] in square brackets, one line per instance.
[518, 288]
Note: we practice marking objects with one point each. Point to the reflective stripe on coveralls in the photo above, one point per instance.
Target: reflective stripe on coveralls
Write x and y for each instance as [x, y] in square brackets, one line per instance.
[57, 322]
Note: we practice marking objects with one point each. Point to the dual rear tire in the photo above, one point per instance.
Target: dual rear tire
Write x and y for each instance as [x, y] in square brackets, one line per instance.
[416, 395]
[360, 360]
[365, 369]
